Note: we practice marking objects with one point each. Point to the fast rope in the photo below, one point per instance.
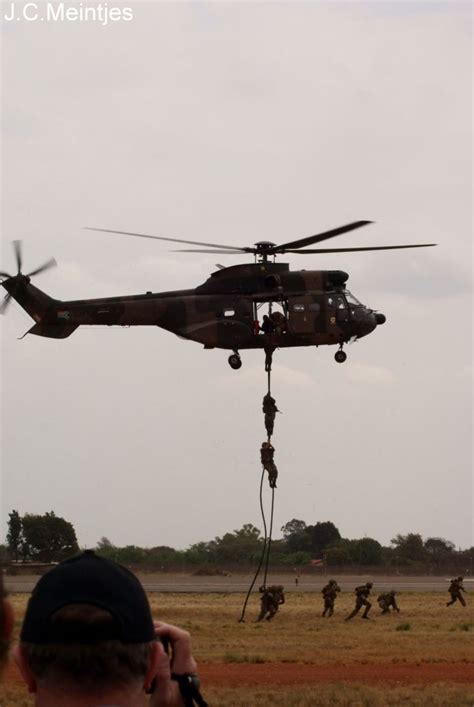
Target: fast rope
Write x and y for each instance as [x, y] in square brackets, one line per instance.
[242, 616]
[272, 472]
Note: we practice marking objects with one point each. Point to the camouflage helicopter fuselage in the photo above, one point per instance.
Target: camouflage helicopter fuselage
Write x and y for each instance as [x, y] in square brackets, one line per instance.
[222, 312]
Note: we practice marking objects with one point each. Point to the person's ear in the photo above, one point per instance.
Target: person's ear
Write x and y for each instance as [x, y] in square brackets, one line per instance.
[157, 657]
[26, 674]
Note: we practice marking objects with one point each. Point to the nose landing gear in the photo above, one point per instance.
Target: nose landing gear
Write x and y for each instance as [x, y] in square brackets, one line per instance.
[340, 356]
[235, 362]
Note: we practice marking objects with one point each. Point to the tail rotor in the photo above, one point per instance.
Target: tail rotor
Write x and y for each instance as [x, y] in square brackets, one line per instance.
[20, 278]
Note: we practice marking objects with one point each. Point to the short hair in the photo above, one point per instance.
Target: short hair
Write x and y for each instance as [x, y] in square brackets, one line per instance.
[4, 639]
[87, 667]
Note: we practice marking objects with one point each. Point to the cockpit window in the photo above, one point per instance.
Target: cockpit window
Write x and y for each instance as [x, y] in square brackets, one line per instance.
[351, 299]
[336, 302]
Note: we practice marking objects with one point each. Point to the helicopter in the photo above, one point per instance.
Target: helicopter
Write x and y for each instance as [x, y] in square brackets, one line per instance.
[302, 308]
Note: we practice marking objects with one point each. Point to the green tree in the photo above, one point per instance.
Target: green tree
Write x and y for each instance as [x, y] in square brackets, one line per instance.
[409, 547]
[366, 551]
[14, 534]
[321, 536]
[240, 547]
[48, 538]
[296, 536]
[105, 548]
[439, 550]
[338, 555]
[130, 555]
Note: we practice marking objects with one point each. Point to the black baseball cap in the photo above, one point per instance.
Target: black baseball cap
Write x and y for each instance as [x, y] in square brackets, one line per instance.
[88, 579]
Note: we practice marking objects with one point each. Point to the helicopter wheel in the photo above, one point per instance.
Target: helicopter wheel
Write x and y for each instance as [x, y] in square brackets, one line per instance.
[235, 361]
[340, 356]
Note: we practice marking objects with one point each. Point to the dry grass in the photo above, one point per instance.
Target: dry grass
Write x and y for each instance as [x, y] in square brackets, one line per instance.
[343, 695]
[299, 635]
[325, 695]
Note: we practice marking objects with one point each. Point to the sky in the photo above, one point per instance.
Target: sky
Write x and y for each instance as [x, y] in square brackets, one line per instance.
[234, 123]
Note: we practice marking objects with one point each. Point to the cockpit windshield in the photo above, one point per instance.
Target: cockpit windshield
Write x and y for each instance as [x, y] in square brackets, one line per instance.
[351, 299]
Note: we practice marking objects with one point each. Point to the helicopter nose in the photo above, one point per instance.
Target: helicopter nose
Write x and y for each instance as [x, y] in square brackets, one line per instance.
[380, 318]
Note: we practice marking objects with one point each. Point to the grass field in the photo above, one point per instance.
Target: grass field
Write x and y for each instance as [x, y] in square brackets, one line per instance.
[422, 656]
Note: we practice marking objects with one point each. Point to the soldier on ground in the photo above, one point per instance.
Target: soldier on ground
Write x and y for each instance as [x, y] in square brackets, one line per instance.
[267, 450]
[270, 410]
[361, 592]
[329, 593]
[387, 601]
[270, 601]
[455, 589]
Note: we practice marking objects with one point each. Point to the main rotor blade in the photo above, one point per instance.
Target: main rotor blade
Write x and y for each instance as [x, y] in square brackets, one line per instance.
[319, 237]
[5, 303]
[18, 256]
[353, 250]
[51, 263]
[6, 275]
[162, 238]
[222, 252]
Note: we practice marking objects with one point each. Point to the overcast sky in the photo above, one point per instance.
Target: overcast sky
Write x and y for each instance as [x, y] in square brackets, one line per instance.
[233, 123]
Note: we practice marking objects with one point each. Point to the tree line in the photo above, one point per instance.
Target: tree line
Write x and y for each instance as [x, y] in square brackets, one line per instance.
[49, 538]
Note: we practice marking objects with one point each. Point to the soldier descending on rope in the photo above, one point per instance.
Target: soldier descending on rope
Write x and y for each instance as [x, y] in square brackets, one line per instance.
[387, 601]
[329, 593]
[361, 592]
[267, 451]
[270, 410]
[270, 601]
[455, 589]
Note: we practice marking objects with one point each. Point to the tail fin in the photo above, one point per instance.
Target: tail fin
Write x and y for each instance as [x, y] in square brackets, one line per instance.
[40, 306]
[33, 301]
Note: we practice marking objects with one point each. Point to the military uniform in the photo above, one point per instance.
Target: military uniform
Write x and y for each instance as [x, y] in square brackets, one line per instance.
[361, 592]
[455, 589]
[270, 601]
[329, 593]
[267, 450]
[270, 410]
[387, 601]
[267, 325]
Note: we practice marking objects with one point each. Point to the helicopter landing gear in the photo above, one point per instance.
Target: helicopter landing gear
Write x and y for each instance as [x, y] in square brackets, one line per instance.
[235, 361]
[340, 356]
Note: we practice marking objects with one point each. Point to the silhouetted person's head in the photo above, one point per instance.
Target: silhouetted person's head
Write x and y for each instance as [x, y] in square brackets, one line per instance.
[88, 634]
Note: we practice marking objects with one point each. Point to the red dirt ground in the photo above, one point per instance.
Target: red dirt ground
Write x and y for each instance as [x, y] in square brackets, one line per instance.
[272, 674]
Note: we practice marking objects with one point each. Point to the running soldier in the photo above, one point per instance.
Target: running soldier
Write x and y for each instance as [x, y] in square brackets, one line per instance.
[329, 593]
[270, 601]
[387, 601]
[270, 410]
[455, 589]
[361, 592]
[267, 450]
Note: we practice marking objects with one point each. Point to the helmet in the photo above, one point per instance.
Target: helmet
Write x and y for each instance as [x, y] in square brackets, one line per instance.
[460, 579]
[369, 584]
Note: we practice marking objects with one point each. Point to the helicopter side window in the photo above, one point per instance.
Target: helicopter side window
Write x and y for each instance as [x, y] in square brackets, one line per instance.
[336, 302]
[229, 312]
